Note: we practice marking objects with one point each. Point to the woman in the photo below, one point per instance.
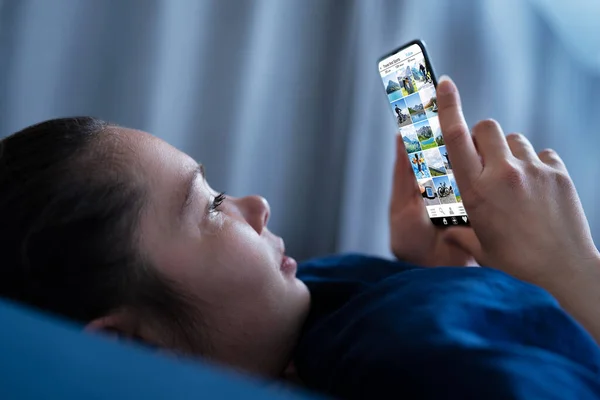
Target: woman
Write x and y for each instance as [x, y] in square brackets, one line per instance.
[116, 229]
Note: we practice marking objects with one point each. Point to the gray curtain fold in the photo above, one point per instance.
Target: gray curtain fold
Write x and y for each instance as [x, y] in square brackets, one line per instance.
[283, 98]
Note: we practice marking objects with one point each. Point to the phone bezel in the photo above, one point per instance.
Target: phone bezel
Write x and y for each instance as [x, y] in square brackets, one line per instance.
[423, 46]
[438, 221]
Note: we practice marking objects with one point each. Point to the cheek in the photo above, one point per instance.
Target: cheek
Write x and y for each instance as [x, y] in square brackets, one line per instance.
[249, 259]
[221, 262]
[237, 263]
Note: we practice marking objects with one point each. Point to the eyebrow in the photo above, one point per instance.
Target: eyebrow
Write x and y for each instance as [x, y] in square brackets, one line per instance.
[189, 186]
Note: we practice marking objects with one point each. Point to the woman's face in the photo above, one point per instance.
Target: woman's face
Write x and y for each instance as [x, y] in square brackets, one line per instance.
[248, 298]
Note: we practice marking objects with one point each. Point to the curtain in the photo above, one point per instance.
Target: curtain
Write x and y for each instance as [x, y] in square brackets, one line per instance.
[283, 98]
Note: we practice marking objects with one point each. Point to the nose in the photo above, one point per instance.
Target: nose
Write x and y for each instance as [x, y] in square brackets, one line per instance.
[256, 211]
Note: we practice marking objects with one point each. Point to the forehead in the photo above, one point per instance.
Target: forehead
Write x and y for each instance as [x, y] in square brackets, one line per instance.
[163, 169]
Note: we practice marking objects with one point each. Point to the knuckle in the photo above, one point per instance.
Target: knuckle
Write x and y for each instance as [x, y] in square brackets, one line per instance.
[513, 176]
[562, 179]
[515, 136]
[455, 133]
[486, 125]
[551, 158]
[549, 154]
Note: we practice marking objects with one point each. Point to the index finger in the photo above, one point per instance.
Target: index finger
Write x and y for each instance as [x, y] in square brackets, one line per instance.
[465, 159]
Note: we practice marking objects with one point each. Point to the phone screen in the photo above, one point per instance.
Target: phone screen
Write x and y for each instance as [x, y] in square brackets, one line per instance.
[429, 191]
[410, 84]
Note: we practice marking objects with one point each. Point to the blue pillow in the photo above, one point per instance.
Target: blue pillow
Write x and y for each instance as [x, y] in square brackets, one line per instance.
[42, 358]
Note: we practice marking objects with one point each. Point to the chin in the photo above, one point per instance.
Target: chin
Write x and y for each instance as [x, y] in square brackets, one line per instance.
[304, 295]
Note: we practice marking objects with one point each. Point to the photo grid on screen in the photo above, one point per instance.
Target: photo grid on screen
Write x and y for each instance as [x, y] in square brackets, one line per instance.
[413, 101]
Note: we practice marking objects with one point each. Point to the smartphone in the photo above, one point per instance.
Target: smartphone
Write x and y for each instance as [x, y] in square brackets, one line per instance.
[409, 82]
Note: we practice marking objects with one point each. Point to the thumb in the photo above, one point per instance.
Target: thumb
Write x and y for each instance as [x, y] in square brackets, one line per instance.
[465, 239]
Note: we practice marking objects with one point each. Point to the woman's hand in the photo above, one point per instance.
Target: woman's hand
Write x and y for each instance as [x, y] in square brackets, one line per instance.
[523, 206]
[524, 209]
[413, 237]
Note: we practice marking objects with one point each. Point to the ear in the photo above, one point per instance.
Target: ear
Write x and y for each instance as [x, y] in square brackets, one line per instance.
[121, 326]
[115, 326]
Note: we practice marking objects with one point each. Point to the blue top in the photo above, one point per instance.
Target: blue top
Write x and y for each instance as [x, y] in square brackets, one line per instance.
[381, 329]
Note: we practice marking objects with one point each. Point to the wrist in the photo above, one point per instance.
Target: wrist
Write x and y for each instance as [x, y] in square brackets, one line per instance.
[579, 294]
[587, 277]
[576, 284]
[584, 272]
[569, 278]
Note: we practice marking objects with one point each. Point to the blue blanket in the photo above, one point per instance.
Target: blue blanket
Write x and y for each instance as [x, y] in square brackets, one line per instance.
[380, 329]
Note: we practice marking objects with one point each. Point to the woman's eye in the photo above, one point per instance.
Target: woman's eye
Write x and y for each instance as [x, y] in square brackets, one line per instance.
[218, 200]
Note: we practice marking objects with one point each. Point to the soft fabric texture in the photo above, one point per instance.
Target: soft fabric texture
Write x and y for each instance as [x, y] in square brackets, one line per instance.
[45, 358]
[384, 329]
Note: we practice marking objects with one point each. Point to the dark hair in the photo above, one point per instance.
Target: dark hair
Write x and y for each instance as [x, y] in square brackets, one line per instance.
[69, 213]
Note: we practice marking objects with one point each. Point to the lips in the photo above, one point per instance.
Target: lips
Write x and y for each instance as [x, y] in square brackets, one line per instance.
[288, 264]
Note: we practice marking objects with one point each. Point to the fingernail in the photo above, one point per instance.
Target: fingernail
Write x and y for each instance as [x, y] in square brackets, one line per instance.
[445, 85]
